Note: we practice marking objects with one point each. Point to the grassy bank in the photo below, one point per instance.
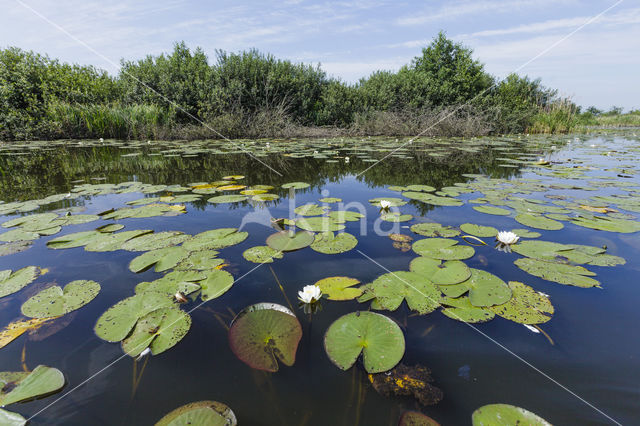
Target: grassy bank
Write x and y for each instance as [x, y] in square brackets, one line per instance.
[443, 91]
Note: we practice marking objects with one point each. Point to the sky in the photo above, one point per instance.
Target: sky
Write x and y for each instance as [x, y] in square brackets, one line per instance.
[592, 61]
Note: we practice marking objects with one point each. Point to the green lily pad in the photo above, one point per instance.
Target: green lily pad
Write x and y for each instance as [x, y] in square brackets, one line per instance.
[200, 261]
[395, 217]
[111, 242]
[210, 413]
[505, 414]
[525, 233]
[328, 243]
[538, 222]
[15, 247]
[16, 281]
[77, 239]
[261, 254]
[221, 199]
[318, 224]
[461, 309]
[492, 210]
[154, 241]
[118, 321]
[603, 223]
[185, 282]
[216, 284]
[310, 209]
[422, 188]
[111, 227]
[479, 230]
[443, 249]
[7, 418]
[295, 185]
[432, 199]
[264, 333]
[330, 200]
[265, 197]
[526, 306]
[215, 239]
[557, 272]
[39, 220]
[434, 230]
[563, 253]
[390, 289]
[24, 385]
[18, 235]
[55, 301]
[486, 289]
[342, 216]
[289, 241]
[158, 330]
[340, 288]
[447, 273]
[377, 337]
[163, 259]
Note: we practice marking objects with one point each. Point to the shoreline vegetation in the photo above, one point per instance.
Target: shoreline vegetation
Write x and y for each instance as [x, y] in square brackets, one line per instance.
[442, 92]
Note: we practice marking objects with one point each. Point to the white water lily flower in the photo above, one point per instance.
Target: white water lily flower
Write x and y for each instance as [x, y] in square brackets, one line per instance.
[101, 140]
[385, 204]
[310, 294]
[346, 159]
[507, 237]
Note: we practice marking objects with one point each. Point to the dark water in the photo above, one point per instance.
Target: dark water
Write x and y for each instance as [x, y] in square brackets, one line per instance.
[593, 363]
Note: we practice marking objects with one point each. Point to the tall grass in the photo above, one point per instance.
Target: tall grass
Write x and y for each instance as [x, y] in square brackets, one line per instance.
[557, 117]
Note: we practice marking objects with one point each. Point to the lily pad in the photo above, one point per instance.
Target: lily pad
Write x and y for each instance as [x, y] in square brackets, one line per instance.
[443, 249]
[376, 336]
[416, 418]
[486, 289]
[14, 247]
[310, 209]
[461, 309]
[158, 330]
[340, 288]
[265, 197]
[395, 217]
[221, 199]
[77, 239]
[295, 185]
[55, 301]
[432, 199]
[154, 241]
[7, 418]
[289, 241]
[557, 272]
[18, 327]
[318, 224]
[342, 216]
[434, 230]
[390, 289]
[261, 254]
[393, 201]
[163, 259]
[492, 210]
[216, 284]
[526, 306]
[13, 282]
[200, 261]
[328, 243]
[209, 413]
[538, 222]
[24, 385]
[215, 239]
[505, 414]
[479, 230]
[264, 333]
[111, 242]
[330, 200]
[447, 273]
[118, 321]
[422, 188]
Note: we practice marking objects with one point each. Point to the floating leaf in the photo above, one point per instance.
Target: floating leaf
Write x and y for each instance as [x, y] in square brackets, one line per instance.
[18, 235]
[526, 306]
[116, 323]
[77, 239]
[318, 224]
[310, 209]
[560, 273]
[486, 289]
[377, 337]
[14, 247]
[538, 222]
[393, 201]
[201, 261]
[55, 301]
[423, 188]
[230, 188]
[295, 185]
[479, 230]
[7, 418]
[443, 249]
[112, 227]
[264, 333]
[158, 330]
[265, 197]
[13, 282]
[289, 241]
[215, 239]
[328, 243]
[155, 241]
[184, 282]
[16, 328]
[525, 233]
[395, 217]
[432, 199]
[220, 199]
[504, 414]
[341, 216]
[209, 413]
[111, 242]
[339, 288]
[163, 259]
[416, 418]
[392, 288]
[21, 386]
[461, 309]
[217, 283]
[447, 273]
[261, 254]
[330, 200]
[434, 230]
[492, 210]
[610, 224]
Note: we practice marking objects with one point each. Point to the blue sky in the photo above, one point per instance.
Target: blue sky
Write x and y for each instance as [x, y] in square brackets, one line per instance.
[598, 65]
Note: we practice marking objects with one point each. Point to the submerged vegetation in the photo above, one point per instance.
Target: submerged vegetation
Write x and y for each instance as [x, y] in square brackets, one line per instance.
[181, 95]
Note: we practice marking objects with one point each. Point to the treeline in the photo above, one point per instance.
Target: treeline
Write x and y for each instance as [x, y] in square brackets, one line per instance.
[252, 94]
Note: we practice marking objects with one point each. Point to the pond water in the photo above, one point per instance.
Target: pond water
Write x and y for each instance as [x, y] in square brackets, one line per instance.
[583, 368]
